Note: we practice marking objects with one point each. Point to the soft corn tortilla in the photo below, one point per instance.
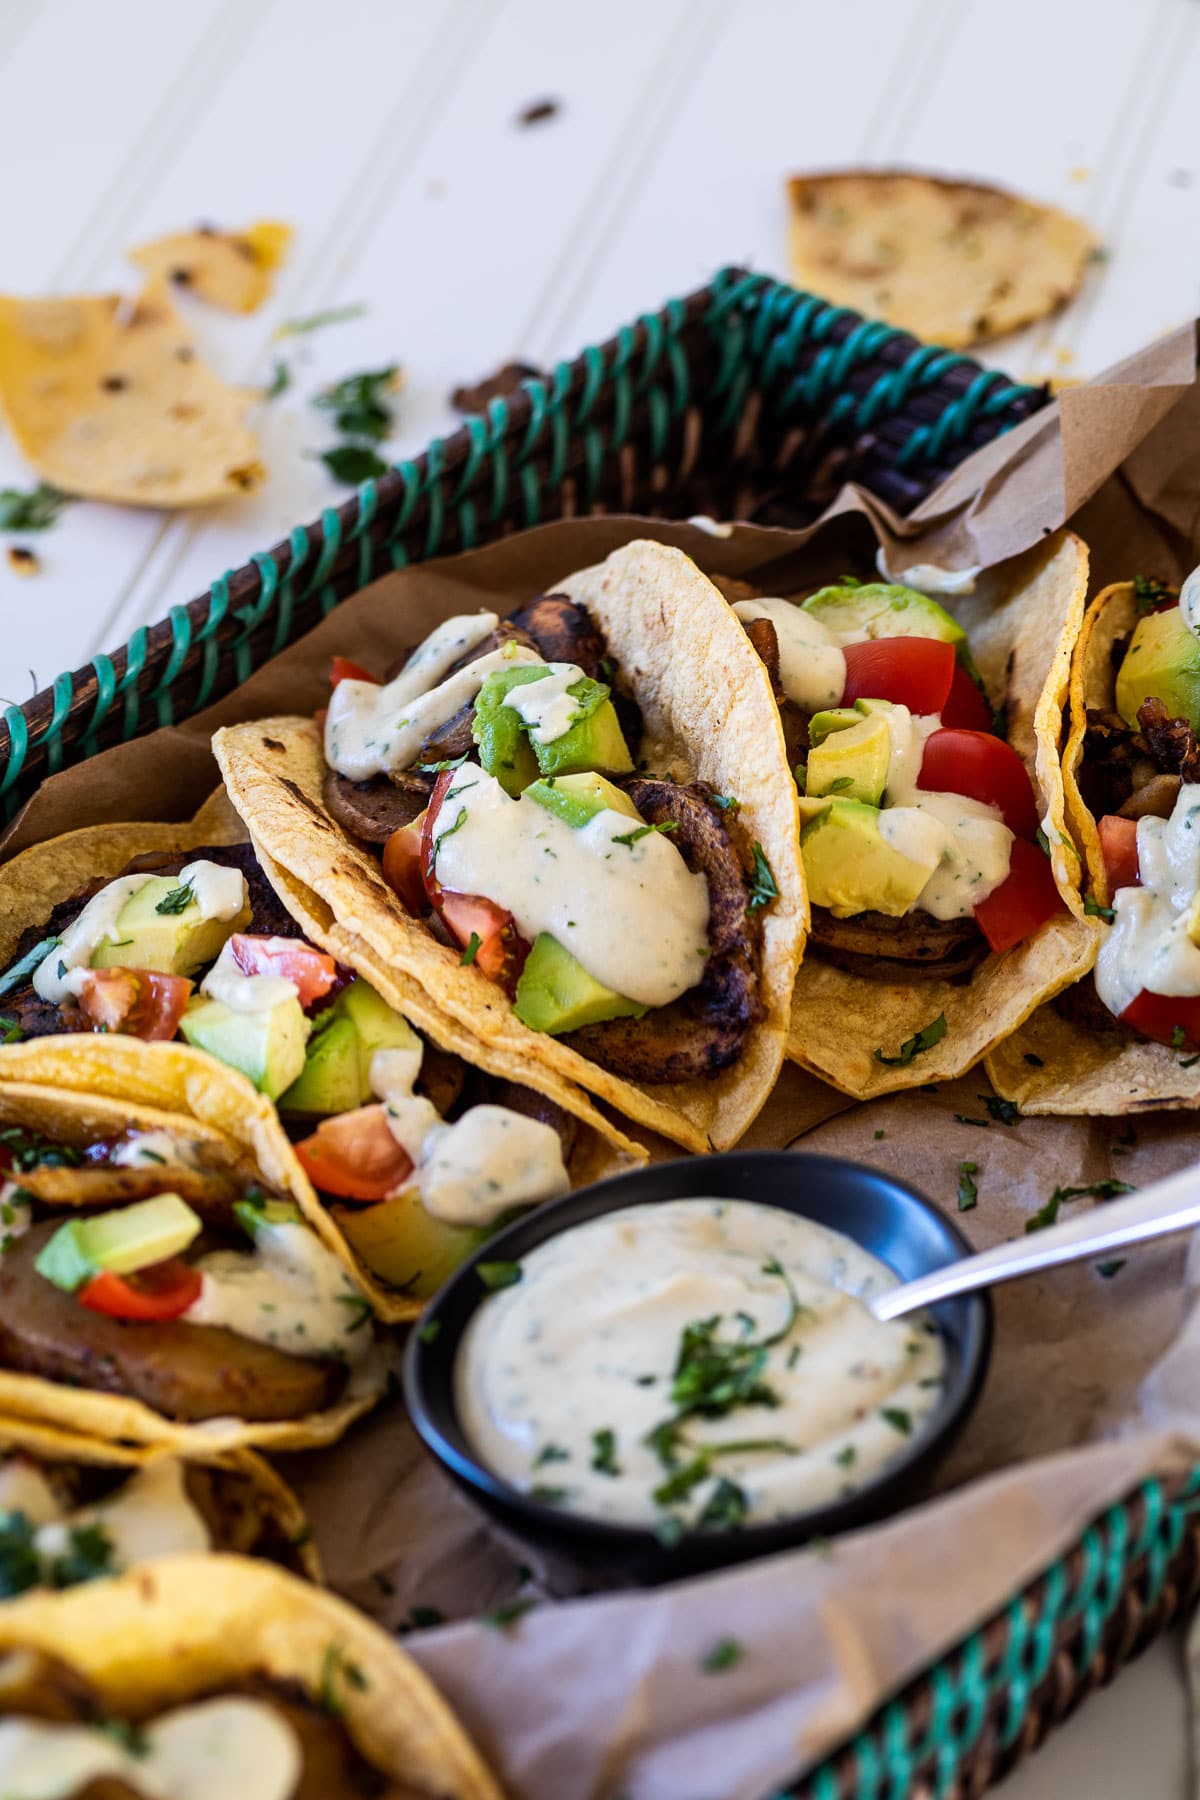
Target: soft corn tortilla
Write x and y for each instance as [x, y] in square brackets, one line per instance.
[709, 714]
[79, 1087]
[1021, 637]
[181, 1628]
[106, 397]
[230, 269]
[53, 1444]
[1104, 1073]
[954, 262]
[177, 1079]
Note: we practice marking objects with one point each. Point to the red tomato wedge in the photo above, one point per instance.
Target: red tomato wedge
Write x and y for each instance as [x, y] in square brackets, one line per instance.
[342, 669]
[913, 672]
[162, 1291]
[428, 832]
[402, 865]
[355, 1156]
[1119, 848]
[981, 767]
[310, 971]
[1163, 1016]
[479, 925]
[1020, 904]
[966, 707]
[139, 1002]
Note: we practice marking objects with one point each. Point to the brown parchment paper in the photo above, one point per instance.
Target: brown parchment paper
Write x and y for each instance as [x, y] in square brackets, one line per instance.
[1095, 1381]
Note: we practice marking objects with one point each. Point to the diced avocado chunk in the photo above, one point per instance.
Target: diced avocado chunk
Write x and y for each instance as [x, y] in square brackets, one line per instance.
[336, 1076]
[869, 708]
[172, 942]
[880, 609]
[504, 749]
[853, 762]
[331, 1079]
[267, 1046]
[255, 1215]
[556, 993]
[851, 869]
[119, 1242]
[1163, 662]
[812, 806]
[595, 741]
[577, 798]
[405, 1246]
[833, 718]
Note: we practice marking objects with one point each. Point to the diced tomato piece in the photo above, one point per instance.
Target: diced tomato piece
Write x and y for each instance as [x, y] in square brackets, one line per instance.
[355, 1156]
[1014, 910]
[481, 925]
[311, 972]
[967, 706]
[913, 672]
[1119, 848]
[342, 669]
[162, 1291]
[441, 788]
[981, 767]
[139, 1002]
[402, 865]
[1172, 1019]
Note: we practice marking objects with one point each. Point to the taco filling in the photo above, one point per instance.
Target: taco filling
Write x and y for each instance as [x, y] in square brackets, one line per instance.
[495, 769]
[919, 824]
[222, 1304]
[259, 1736]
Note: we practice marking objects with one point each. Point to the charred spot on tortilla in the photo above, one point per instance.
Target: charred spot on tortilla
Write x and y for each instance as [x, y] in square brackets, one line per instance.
[272, 744]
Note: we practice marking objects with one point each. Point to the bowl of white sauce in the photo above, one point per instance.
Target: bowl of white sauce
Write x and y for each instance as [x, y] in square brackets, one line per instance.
[677, 1369]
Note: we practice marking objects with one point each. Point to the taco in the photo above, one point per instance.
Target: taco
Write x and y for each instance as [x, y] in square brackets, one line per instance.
[1126, 1038]
[73, 1510]
[573, 827]
[219, 1678]
[943, 884]
[160, 1286]
[388, 1120]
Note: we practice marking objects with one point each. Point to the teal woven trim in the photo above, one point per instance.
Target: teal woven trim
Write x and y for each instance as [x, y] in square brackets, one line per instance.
[889, 1760]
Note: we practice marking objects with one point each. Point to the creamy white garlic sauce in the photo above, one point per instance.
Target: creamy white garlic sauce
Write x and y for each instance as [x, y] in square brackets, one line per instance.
[718, 528]
[930, 578]
[149, 1515]
[965, 845]
[625, 905]
[1149, 944]
[812, 668]
[564, 1379]
[547, 707]
[472, 1171]
[219, 892]
[144, 1148]
[213, 1750]
[244, 993]
[370, 729]
[290, 1291]
[1189, 601]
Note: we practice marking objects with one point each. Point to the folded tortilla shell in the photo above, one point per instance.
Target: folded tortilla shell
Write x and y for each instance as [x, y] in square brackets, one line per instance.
[107, 398]
[709, 714]
[182, 1628]
[1021, 632]
[1078, 1069]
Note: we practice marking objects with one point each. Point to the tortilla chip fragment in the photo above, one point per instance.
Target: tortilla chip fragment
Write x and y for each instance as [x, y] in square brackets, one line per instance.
[954, 262]
[230, 269]
[107, 398]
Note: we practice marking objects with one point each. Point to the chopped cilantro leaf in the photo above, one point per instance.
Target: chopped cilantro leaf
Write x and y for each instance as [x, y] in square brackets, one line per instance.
[430, 1331]
[280, 382]
[332, 315]
[604, 1452]
[177, 900]
[922, 1040]
[897, 1418]
[358, 406]
[1094, 910]
[763, 888]
[33, 510]
[352, 463]
[496, 1275]
[968, 1192]
[472, 949]
[724, 1654]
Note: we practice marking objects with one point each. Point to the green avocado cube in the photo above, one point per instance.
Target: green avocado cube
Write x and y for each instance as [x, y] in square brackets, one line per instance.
[853, 762]
[556, 993]
[175, 942]
[594, 741]
[331, 1079]
[880, 609]
[267, 1046]
[403, 1245]
[498, 731]
[1163, 663]
[833, 718]
[850, 868]
[255, 1215]
[378, 1025]
[120, 1242]
[577, 798]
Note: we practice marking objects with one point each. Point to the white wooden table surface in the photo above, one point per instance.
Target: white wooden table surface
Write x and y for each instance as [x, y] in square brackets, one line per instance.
[384, 132]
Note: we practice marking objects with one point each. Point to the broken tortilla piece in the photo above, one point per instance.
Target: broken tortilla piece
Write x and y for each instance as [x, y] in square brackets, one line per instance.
[231, 269]
[954, 262]
[106, 397]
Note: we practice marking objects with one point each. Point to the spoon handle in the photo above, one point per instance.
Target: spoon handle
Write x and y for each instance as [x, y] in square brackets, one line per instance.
[1165, 1206]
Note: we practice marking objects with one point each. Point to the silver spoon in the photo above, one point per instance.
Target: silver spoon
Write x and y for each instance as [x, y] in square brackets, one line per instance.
[1165, 1206]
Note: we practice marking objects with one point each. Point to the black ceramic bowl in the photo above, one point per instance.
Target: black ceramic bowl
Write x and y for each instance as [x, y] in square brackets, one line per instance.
[884, 1215]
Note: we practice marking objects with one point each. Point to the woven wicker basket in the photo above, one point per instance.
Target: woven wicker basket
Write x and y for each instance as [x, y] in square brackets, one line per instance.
[745, 400]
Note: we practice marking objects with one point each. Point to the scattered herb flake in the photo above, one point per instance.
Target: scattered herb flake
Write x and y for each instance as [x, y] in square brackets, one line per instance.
[967, 1119]
[502, 1616]
[1005, 1112]
[604, 1451]
[727, 802]
[430, 1331]
[496, 1275]
[177, 900]
[357, 404]
[1094, 910]
[897, 1418]
[15, 975]
[550, 1453]
[968, 1192]
[922, 1040]
[332, 315]
[724, 1654]
[630, 838]
[280, 382]
[880, 1134]
[473, 947]
[846, 1456]
[423, 1618]
[34, 510]
[1149, 594]
[1109, 1269]
[762, 881]
[353, 463]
